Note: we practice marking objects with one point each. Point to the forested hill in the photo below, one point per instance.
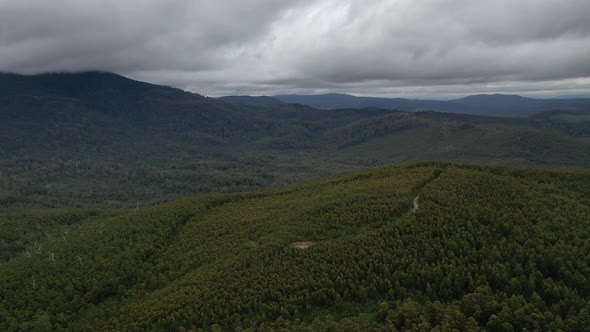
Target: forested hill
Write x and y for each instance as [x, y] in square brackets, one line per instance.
[411, 247]
[100, 139]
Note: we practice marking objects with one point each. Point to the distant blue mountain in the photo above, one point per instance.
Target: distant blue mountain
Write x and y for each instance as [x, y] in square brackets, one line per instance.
[336, 100]
[496, 104]
[251, 100]
[573, 96]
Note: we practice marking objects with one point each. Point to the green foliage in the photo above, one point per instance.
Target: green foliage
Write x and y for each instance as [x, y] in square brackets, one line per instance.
[572, 123]
[21, 228]
[489, 248]
[101, 140]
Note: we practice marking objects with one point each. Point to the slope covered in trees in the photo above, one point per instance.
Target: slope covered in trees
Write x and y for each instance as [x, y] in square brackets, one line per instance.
[488, 248]
[99, 139]
[573, 123]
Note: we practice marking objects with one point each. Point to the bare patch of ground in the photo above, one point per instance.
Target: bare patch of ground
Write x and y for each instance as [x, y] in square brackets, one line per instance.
[302, 244]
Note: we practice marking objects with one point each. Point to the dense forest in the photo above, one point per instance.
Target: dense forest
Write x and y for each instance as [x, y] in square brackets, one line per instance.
[418, 246]
[573, 123]
[102, 140]
[306, 166]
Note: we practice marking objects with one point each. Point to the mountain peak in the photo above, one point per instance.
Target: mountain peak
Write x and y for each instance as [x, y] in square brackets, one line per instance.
[495, 96]
[70, 83]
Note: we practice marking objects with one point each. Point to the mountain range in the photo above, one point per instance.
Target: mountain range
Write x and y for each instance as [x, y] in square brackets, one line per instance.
[129, 206]
[496, 104]
[100, 139]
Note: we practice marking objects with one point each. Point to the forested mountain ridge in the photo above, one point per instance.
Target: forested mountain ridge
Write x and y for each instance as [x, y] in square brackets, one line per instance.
[249, 100]
[488, 248]
[100, 131]
[573, 123]
[338, 100]
[496, 104]
[100, 139]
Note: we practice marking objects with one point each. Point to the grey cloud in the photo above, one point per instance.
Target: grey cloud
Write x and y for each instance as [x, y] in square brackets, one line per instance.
[373, 47]
[451, 40]
[125, 36]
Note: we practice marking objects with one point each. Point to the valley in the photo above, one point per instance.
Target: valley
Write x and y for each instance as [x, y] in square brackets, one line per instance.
[306, 166]
[303, 219]
[99, 139]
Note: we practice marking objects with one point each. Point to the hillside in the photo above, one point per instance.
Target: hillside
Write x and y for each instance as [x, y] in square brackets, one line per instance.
[446, 136]
[497, 104]
[102, 140]
[96, 138]
[572, 123]
[412, 247]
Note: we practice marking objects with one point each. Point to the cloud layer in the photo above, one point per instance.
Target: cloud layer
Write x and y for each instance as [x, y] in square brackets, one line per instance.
[388, 47]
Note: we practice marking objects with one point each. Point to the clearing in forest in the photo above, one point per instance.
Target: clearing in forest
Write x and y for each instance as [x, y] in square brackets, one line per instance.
[302, 244]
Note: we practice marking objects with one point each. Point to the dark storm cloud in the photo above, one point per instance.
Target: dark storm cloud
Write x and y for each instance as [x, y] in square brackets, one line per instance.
[126, 35]
[403, 47]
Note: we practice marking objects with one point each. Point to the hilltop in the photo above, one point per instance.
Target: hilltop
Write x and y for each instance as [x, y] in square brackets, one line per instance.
[507, 247]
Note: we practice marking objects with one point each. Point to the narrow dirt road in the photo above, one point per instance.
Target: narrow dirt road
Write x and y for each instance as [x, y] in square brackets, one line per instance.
[416, 203]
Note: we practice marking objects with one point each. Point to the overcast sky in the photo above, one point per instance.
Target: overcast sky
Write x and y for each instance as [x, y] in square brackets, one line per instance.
[398, 48]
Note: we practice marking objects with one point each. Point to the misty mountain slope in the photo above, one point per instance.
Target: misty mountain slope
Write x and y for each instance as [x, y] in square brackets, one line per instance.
[506, 246]
[99, 139]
